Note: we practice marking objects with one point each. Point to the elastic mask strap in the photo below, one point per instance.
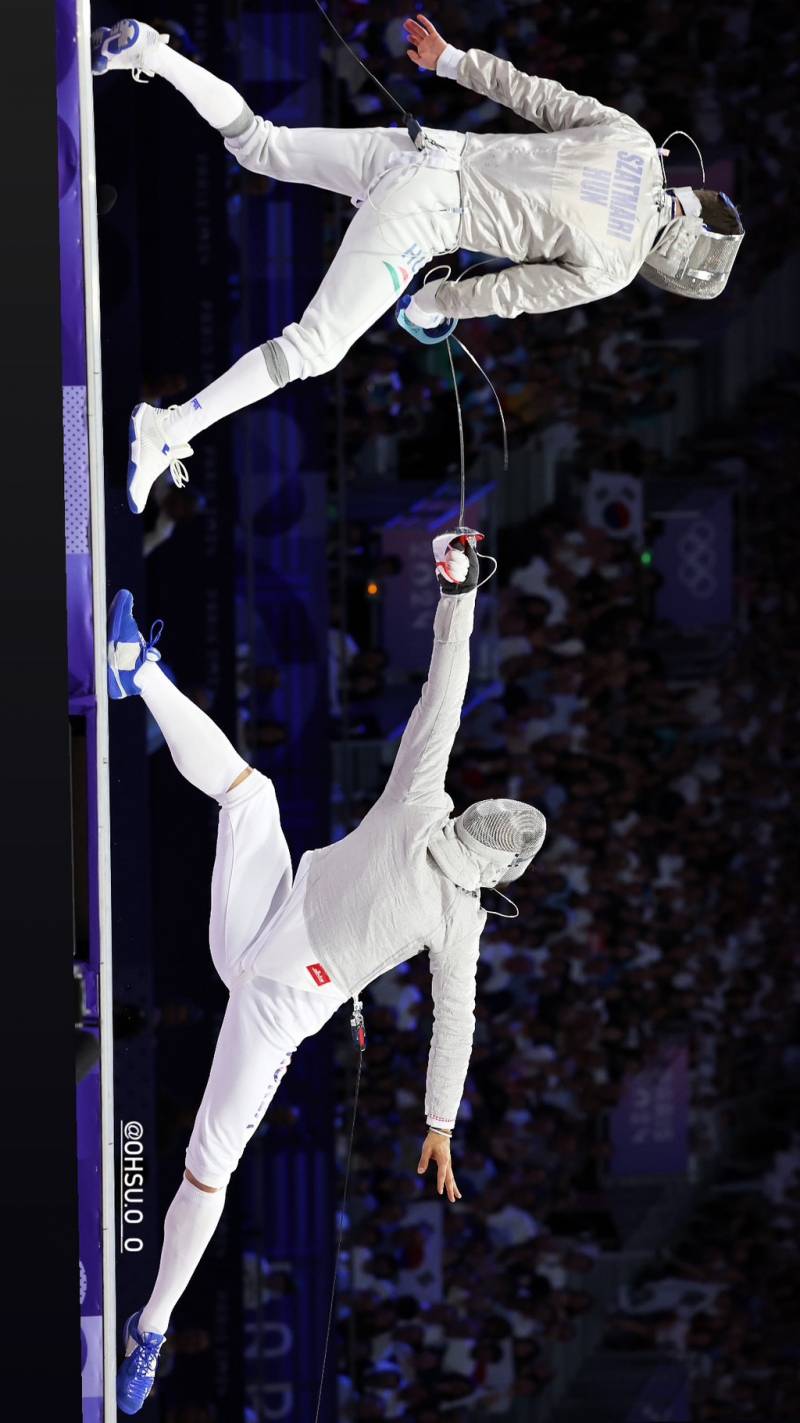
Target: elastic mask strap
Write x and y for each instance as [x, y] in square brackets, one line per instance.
[689, 201]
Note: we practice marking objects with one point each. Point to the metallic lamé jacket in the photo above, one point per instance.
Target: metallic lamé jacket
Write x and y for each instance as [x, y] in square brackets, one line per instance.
[576, 208]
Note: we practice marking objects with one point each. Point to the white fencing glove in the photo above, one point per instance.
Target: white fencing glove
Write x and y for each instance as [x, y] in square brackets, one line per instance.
[422, 308]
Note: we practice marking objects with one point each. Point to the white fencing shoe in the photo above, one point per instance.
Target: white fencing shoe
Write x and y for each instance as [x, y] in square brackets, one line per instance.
[151, 452]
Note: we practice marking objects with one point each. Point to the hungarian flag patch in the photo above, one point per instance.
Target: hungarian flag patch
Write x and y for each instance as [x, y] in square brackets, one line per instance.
[318, 973]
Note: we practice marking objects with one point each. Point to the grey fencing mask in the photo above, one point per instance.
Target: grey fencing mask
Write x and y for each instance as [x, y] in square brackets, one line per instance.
[690, 259]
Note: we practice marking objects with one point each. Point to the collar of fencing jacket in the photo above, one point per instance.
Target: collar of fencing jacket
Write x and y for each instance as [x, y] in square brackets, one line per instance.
[462, 865]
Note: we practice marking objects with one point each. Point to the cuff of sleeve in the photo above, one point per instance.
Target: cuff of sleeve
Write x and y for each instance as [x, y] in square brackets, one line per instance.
[440, 1122]
[454, 617]
[448, 61]
[424, 300]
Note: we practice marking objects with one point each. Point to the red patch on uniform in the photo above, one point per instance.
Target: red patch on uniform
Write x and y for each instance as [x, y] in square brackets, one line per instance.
[318, 973]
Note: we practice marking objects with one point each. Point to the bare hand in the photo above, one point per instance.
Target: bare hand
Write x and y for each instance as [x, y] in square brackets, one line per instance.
[428, 43]
[437, 1148]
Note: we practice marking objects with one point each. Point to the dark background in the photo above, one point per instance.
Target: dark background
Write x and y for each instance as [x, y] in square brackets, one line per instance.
[39, 1176]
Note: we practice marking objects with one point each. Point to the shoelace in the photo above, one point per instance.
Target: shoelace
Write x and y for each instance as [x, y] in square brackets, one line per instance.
[146, 1360]
[178, 470]
[145, 1363]
[139, 74]
[149, 651]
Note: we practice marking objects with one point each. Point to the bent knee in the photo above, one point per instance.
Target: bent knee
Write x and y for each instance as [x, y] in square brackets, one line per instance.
[199, 1184]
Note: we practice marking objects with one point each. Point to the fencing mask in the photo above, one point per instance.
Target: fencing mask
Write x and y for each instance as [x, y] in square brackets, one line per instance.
[689, 258]
[506, 834]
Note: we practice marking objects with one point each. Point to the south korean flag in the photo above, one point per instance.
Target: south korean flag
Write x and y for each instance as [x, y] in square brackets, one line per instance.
[614, 503]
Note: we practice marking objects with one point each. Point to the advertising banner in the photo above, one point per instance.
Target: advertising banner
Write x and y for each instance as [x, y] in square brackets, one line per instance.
[650, 1124]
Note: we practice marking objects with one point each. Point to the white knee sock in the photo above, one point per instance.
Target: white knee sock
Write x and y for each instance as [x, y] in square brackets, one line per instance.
[246, 381]
[201, 752]
[216, 102]
[189, 1224]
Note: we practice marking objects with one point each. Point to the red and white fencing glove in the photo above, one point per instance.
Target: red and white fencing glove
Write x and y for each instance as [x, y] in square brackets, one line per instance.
[457, 566]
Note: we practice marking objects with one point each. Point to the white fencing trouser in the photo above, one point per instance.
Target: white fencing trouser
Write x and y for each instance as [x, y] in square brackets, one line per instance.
[266, 1019]
[409, 211]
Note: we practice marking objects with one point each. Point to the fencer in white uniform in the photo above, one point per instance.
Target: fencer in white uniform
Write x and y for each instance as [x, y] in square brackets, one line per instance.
[577, 210]
[292, 951]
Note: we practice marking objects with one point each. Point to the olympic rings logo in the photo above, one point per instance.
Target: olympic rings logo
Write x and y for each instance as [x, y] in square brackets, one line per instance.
[697, 559]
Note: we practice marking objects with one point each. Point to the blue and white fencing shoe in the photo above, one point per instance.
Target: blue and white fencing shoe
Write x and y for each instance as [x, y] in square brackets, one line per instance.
[137, 1371]
[150, 453]
[429, 336]
[125, 46]
[127, 649]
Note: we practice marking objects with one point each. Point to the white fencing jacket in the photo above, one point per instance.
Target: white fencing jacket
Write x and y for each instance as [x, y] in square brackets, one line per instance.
[402, 882]
[577, 208]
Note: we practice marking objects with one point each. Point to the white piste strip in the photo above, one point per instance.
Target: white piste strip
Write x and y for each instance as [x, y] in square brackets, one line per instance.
[94, 399]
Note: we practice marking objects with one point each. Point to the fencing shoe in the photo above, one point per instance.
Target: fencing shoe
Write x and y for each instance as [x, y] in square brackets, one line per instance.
[150, 453]
[125, 46]
[137, 1371]
[127, 649]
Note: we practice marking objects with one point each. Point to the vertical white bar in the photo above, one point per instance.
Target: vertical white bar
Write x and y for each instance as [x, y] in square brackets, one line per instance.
[94, 402]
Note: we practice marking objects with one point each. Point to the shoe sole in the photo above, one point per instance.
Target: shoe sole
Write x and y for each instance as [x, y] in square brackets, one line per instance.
[121, 1402]
[100, 61]
[134, 455]
[116, 691]
[98, 39]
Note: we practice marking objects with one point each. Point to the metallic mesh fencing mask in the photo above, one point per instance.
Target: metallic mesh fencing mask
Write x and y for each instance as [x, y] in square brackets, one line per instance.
[691, 260]
[507, 832]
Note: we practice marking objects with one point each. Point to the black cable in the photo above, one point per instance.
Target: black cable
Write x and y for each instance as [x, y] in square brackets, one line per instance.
[352, 52]
[339, 1242]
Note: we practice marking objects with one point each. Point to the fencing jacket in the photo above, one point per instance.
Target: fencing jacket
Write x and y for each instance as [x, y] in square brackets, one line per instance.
[402, 882]
[577, 208]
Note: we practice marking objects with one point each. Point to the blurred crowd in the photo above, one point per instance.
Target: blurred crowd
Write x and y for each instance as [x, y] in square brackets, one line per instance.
[661, 909]
[725, 1297]
[588, 383]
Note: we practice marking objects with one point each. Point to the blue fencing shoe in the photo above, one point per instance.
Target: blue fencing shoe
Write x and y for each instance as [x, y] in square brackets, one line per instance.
[137, 1371]
[127, 649]
[430, 336]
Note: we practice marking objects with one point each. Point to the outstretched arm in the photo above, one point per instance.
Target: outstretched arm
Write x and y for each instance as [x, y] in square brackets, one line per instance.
[421, 763]
[453, 971]
[543, 102]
